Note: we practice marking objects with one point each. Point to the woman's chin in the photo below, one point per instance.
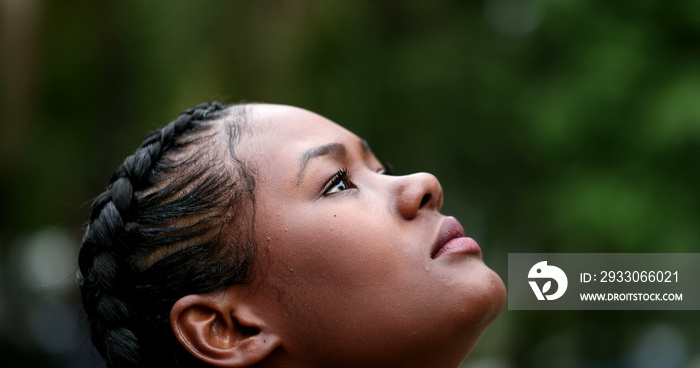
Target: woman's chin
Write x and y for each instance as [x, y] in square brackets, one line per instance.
[496, 300]
[499, 297]
[484, 308]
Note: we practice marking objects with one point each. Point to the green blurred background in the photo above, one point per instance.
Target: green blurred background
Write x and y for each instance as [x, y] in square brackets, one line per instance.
[553, 125]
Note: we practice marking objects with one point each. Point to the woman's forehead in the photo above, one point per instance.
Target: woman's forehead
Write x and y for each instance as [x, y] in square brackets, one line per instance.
[279, 141]
[292, 127]
[284, 116]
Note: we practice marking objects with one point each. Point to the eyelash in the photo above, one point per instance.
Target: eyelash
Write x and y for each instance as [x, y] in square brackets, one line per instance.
[342, 175]
[388, 169]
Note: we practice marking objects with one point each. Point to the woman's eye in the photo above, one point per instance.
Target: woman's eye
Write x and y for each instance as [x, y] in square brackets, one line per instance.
[388, 169]
[338, 183]
[340, 186]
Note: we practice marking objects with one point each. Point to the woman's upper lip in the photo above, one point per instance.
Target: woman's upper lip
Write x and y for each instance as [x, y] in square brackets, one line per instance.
[449, 229]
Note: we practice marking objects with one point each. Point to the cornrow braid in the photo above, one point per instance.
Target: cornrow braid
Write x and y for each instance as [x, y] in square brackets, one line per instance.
[164, 229]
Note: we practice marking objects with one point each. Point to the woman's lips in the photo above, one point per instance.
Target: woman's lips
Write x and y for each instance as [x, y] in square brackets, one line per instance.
[451, 239]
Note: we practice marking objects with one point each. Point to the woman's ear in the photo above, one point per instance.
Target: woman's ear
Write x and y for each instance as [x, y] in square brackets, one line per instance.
[222, 329]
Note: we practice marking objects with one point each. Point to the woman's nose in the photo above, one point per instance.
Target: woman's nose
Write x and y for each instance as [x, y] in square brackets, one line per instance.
[416, 192]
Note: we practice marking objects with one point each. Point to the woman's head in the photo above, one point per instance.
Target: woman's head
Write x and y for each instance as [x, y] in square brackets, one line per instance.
[268, 234]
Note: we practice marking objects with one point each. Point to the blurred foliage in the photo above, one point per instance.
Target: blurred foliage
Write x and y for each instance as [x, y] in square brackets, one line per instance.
[553, 125]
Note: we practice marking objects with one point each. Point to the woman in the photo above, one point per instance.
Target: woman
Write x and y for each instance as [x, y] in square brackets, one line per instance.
[266, 235]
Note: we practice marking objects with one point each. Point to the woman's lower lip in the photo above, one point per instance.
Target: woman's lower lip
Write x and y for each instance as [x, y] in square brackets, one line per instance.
[459, 245]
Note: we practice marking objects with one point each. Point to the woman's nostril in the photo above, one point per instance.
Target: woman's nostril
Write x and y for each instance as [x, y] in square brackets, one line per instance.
[425, 200]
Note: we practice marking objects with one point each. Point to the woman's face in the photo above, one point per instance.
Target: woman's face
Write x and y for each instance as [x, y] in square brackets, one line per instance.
[349, 266]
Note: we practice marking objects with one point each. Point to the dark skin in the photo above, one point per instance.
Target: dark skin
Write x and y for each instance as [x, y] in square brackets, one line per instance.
[359, 268]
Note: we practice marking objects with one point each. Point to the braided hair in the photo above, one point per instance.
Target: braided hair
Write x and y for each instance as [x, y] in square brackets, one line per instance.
[165, 227]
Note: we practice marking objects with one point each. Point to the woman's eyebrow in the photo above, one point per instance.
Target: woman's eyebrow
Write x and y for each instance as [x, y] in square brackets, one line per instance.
[333, 149]
[365, 146]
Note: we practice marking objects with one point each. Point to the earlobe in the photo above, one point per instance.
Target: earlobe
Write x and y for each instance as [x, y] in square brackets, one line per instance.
[221, 330]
